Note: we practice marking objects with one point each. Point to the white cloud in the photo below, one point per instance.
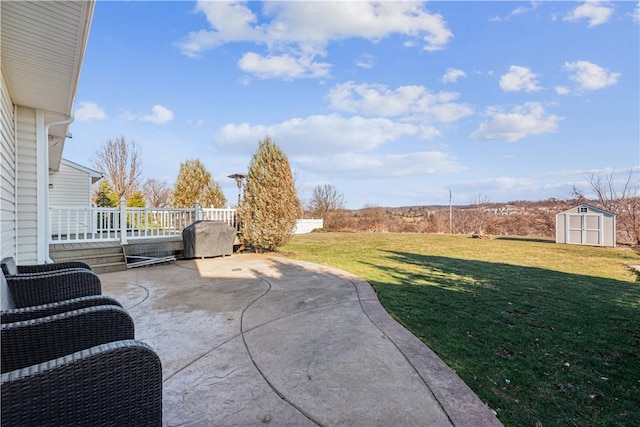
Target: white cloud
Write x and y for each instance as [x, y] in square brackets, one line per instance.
[498, 184]
[452, 75]
[517, 11]
[283, 66]
[523, 9]
[526, 120]
[519, 79]
[322, 133]
[593, 11]
[230, 22]
[590, 76]
[304, 29]
[635, 15]
[376, 166]
[364, 61]
[159, 115]
[413, 101]
[89, 111]
[562, 90]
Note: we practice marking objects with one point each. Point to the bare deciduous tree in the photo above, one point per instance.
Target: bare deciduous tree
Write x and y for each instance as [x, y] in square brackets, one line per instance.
[119, 161]
[621, 198]
[156, 193]
[373, 218]
[326, 201]
[608, 192]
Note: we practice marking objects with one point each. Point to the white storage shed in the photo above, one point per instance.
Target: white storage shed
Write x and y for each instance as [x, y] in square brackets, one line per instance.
[586, 225]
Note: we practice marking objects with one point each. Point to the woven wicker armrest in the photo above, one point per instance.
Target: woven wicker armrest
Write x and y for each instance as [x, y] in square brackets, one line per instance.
[28, 313]
[35, 341]
[9, 267]
[114, 384]
[37, 289]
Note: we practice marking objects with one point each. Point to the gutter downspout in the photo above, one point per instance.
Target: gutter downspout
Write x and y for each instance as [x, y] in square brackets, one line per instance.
[15, 181]
[43, 209]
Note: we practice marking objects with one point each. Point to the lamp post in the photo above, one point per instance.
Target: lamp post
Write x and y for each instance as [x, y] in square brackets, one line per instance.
[239, 177]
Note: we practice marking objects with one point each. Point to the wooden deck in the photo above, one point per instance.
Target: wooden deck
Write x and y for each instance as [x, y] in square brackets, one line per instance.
[112, 255]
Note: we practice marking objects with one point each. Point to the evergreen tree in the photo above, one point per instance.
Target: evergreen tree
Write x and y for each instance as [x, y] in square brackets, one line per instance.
[270, 207]
[136, 200]
[104, 196]
[194, 182]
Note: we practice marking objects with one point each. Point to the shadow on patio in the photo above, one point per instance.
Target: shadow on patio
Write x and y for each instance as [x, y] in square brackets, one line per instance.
[253, 339]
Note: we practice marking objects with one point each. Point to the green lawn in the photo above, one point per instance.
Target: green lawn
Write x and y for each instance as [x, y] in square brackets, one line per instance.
[546, 334]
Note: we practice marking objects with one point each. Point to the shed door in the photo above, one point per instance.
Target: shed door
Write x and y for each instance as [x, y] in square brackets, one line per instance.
[584, 229]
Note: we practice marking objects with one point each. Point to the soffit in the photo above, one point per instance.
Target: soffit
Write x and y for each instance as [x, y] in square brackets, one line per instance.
[42, 44]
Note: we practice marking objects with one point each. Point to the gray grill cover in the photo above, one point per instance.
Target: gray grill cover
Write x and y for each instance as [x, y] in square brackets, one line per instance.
[208, 239]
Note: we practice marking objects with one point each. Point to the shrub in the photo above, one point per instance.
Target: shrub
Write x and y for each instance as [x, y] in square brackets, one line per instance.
[270, 207]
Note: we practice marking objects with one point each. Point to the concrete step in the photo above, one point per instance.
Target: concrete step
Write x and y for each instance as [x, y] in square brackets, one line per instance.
[109, 268]
[105, 257]
[102, 257]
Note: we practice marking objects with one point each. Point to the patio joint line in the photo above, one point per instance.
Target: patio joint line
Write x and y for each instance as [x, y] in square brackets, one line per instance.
[146, 297]
[207, 352]
[255, 364]
[200, 357]
[415, 369]
[293, 313]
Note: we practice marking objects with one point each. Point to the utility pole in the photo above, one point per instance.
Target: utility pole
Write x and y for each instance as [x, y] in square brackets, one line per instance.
[450, 214]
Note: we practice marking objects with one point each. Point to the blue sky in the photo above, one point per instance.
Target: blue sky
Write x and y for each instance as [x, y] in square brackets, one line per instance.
[393, 103]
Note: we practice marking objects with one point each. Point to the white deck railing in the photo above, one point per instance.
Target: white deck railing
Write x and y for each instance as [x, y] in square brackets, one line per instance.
[69, 224]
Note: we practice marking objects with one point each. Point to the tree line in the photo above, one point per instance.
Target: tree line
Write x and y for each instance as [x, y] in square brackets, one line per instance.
[481, 217]
[120, 162]
[270, 206]
[267, 214]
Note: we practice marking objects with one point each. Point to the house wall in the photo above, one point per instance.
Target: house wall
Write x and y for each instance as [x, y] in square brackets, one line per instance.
[69, 187]
[7, 186]
[27, 168]
[7, 174]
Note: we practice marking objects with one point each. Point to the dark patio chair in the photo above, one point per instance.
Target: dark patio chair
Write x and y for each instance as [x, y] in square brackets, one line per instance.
[114, 384]
[37, 289]
[28, 313]
[35, 341]
[80, 367]
[10, 268]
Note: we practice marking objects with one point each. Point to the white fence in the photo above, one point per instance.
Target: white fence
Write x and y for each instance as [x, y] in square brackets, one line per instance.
[304, 226]
[69, 225]
[73, 225]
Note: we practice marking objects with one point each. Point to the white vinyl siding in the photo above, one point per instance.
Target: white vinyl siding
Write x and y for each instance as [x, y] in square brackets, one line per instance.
[27, 244]
[7, 174]
[69, 187]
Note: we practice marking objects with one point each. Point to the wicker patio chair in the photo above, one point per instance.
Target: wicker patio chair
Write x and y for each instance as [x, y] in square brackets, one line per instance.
[36, 341]
[28, 313]
[113, 384]
[9, 267]
[29, 290]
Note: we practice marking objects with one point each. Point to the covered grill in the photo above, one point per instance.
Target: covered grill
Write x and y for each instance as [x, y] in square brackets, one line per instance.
[208, 239]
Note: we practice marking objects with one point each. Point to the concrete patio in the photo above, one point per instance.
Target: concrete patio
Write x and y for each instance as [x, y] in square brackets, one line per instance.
[263, 340]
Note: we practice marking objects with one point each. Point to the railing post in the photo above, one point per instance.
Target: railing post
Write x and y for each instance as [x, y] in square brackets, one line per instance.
[196, 216]
[123, 221]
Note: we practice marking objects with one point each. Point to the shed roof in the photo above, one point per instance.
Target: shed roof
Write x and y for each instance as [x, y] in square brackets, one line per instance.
[591, 207]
